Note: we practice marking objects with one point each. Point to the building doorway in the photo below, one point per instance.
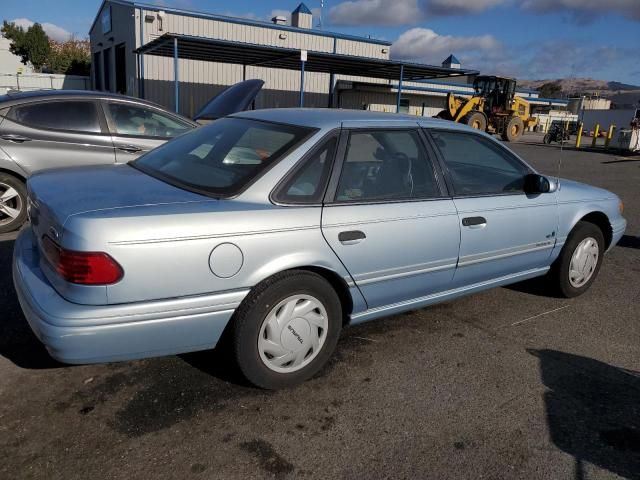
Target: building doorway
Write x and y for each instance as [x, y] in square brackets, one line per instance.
[106, 57]
[121, 69]
[97, 71]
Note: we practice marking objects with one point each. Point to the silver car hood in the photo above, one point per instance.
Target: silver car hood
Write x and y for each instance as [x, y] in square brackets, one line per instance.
[60, 194]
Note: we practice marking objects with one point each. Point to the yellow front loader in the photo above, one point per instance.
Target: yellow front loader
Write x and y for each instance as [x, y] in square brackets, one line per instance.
[494, 108]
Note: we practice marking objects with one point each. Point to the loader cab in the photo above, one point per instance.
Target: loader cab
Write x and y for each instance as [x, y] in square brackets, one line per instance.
[498, 92]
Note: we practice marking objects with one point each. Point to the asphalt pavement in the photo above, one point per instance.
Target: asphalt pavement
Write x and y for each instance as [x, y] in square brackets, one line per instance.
[507, 384]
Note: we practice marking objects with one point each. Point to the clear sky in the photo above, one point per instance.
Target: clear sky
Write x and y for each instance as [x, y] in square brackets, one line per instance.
[532, 39]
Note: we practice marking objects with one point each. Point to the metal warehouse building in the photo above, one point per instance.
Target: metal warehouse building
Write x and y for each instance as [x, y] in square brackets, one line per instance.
[180, 59]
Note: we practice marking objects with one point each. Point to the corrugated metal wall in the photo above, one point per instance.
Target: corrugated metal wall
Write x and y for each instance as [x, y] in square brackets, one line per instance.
[199, 81]
[378, 101]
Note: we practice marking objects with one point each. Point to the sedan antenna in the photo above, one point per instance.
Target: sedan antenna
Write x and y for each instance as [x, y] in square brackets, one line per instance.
[562, 137]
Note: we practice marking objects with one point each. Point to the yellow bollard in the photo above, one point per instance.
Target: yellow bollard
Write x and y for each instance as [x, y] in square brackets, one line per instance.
[596, 132]
[612, 128]
[579, 136]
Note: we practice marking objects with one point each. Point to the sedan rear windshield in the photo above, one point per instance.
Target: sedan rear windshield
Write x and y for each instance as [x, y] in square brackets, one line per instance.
[223, 157]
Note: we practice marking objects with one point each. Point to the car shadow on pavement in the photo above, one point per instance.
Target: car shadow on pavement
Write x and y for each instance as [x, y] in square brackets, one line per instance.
[593, 412]
[623, 160]
[17, 342]
[538, 286]
[629, 241]
[216, 363]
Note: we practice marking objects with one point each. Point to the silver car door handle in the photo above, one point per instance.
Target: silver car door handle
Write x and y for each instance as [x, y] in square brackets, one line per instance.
[351, 237]
[129, 148]
[15, 138]
[474, 222]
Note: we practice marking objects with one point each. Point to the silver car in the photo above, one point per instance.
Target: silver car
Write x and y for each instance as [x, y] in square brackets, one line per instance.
[64, 128]
[271, 230]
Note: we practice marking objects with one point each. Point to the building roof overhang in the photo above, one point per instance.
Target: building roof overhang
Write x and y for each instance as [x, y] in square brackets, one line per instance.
[240, 53]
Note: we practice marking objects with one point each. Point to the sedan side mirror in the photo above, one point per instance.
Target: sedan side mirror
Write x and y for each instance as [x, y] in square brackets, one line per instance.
[535, 183]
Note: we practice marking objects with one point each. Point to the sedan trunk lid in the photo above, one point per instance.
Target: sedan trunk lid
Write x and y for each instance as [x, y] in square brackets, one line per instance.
[57, 195]
[63, 193]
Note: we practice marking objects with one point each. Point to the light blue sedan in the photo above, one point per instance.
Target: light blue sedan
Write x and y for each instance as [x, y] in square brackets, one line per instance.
[271, 230]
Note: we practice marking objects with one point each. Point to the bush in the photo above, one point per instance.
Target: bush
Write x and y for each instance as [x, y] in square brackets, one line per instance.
[72, 57]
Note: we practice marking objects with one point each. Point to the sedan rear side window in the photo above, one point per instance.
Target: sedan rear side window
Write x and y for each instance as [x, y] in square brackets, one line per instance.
[222, 157]
[145, 122]
[386, 165]
[307, 184]
[477, 167]
[75, 116]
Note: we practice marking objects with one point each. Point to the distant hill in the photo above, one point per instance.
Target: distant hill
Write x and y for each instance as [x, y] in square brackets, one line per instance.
[622, 94]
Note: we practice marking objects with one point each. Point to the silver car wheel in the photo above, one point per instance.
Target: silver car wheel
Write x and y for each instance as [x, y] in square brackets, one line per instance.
[583, 262]
[10, 204]
[293, 333]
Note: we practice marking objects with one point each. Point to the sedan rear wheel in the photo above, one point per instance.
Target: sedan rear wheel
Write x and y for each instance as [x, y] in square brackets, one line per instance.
[293, 333]
[13, 203]
[286, 329]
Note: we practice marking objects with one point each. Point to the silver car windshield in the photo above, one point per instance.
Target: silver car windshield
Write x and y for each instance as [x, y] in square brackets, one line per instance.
[223, 157]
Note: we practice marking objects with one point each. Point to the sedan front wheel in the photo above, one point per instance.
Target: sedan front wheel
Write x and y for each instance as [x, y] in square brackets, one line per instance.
[579, 262]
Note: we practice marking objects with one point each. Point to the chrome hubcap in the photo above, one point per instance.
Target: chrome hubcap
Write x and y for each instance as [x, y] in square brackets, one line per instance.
[10, 204]
[293, 333]
[583, 262]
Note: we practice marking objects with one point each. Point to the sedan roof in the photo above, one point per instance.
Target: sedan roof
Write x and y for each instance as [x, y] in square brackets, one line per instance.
[332, 118]
[19, 97]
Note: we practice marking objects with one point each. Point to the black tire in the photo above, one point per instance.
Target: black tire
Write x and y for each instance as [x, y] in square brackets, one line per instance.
[513, 129]
[559, 274]
[18, 202]
[443, 115]
[547, 138]
[476, 120]
[248, 319]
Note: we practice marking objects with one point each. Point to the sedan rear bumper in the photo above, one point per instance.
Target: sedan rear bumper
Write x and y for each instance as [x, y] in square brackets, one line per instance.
[74, 333]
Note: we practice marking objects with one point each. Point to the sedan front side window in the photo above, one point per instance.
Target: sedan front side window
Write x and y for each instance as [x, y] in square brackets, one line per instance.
[476, 166]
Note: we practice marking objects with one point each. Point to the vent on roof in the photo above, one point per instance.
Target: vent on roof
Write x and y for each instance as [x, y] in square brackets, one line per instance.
[279, 20]
[302, 17]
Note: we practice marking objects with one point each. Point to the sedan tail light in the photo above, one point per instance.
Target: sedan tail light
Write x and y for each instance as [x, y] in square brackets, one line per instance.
[84, 268]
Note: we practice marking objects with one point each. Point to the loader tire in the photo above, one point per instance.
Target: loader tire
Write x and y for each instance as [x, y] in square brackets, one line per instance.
[513, 129]
[476, 120]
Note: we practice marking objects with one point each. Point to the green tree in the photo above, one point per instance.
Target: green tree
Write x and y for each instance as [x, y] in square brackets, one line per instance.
[31, 45]
[37, 44]
[15, 35]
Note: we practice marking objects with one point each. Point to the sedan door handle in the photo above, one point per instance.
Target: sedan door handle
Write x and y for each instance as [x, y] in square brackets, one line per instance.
[351, 237]
[129, 148]
[474, 222]
[15, 138]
